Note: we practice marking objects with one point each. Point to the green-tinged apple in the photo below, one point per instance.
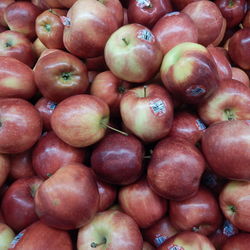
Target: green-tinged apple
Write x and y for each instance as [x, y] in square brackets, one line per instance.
[108, 230]
[189, 72]
[129, 50]
[38, 47]
[4, 168]
[80, 120]
[153, 108]
[6, 236]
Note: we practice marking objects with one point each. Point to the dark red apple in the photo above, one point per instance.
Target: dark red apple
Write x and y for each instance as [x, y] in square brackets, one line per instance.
[240, 75]
[96, 63]
[240, 241]
[4, 168]
[3, 5]
[181, 4]
[38, 47]
[246, 20]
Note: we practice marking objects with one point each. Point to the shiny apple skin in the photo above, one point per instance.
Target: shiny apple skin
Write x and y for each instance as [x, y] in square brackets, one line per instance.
[50, 153]
[174, 177]
[4, 168]
[40, 236]
[240, 75]
[200, 213]
[134, 200]
[45, 107]
[148, 13]
[49, 28]
[117, 159]
[85, 128]
[238, 48]
[231, 101]
[226, 147]
[21, 16]
[240, 241]
[188, 126]
[111, 225]
[208, 20]
[68, 199]
[21, 125]
[16, 79]
[174, 28]
[15, 44]
[181, 4]
[38, 47]
[3, 5]
[246, 20]
[18, 206]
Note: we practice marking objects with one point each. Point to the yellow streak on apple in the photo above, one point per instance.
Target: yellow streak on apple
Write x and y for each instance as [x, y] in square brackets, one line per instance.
[183, 69]
[10, 82]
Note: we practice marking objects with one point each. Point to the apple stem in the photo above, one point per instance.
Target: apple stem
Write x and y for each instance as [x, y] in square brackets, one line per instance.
[125, 41]
[117, 130]
[95, 245]
[53, 12]
[145, 90]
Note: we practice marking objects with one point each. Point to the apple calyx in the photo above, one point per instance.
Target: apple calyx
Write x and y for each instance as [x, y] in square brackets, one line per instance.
[95, 245]
[232, 209]
[66, 76]
[121, 89]
[229, 114]
[231, 3]
[47, 27]
[8, 44]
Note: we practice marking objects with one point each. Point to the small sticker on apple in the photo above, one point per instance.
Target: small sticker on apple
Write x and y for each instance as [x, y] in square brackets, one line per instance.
[16, 239]
[51, 105]
[158, 107]
[200, 124]
[195, 91]
[228, 229]
[65, 20]
[146, 35]
[143, 3]
[175, 247]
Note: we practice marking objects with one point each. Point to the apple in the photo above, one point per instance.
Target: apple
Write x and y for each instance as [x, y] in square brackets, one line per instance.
[209, 21]
[81, 17]
[238, 48]
[117, 159]
[230, 101]
[80, 120]
[42, 4]
[38, 47]
[181, 4]
[49, 28]
[235, 204]
[40, 236]
[240, 241]
[128, 52]
[159, 232]
[66, 3]
[20, 125]
[3, 5]
[110, 229]
[147, 246]
[20, 16]
[134, 200]
[200, 213]
[18, 205]
[189, 73]
[96, 63]
[240, 75]
[174, 28]
[246, 20]
[6, 236]
[50, 153]
[16, 79]
[69, 198]
[226, 148]
[150, 104]
[175, 169]
[147, 12]
[4, 168]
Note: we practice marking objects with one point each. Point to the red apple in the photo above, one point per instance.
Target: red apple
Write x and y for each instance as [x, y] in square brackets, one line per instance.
[20, 125]
[181, 4]
[117, 159]
[3, 5]
[174, 28]
[6, 236]
[38, 47]
[80, 120]
[226, 147]
[246, 20]
[129, 50]
[240, 241]
[110, 229]
[175, 169]
[4, 168]
[96, 63]
[18, 205]
[68, 199]
[147, 246]
[240, 75]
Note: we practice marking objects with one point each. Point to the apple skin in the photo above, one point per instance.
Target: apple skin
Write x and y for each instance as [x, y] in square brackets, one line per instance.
[16, 79]
[246, 20]
[189, 241]
[174, 28]
[240, 75]
[38, 47]
[231, 101]
[4, 168]
[188, 126]
[209, 21]
[80, 120]
[49, 28]
[68, 199]
[117, 159]
[235, 206]
[238, 48]
[189, 73]
[147, 13]
[147, 246]
[134, 200]
[21, 16]
[226, 148]
[40, 236]
[109, 88]
[21, 125]
[50, 153]
[83, 16]
[152, 105]
[96, 64]
[128, 51]
[15, 44]
[159, 232]
[18, 206]
[200, 213]
[3, 5]
[181, 4]
[45, 107]
[110, 226]
[240, 241]
[6, 236]
[174, 177]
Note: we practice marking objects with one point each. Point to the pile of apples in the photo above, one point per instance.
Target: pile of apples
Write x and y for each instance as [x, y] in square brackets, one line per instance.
[124, 124]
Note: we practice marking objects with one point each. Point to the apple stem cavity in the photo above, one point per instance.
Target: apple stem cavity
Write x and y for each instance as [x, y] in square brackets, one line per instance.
[66, 75]
[232, 208]
[116, 130]
[47, 27]
[8, 44]
[229, 114]
[125, 41]
[95, 245]
[231, 3]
